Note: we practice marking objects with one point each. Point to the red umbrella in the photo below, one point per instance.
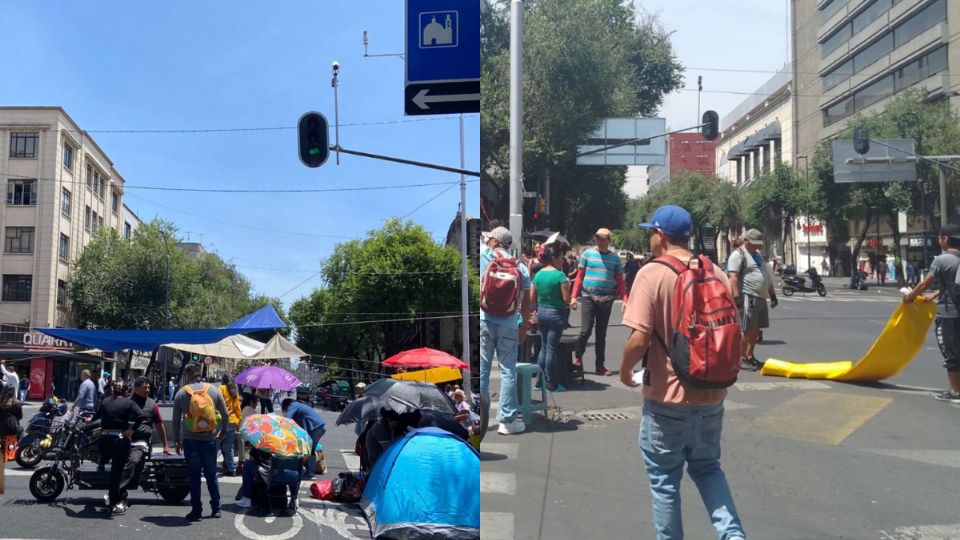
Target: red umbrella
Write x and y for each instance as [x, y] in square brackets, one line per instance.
[424, 358]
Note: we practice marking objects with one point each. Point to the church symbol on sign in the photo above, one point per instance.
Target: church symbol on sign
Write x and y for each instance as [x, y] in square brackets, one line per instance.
[436, 34]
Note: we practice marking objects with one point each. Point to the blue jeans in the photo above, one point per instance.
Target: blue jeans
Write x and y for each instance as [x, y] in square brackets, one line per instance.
[228, 447]
[249, 474]
[550, 321]
[670, 436]
[312, 462]
[501, 340]
[201, 458]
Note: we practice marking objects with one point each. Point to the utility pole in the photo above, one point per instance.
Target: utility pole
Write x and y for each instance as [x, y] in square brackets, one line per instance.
[943, 196]
[699, 90]
[335, 83]
[516, 121]
[464, 275]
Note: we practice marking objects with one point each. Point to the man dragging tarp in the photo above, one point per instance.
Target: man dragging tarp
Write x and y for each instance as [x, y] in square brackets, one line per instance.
[944, 271]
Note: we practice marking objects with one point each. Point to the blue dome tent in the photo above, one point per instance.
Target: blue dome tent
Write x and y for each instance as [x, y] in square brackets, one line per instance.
[426, 485]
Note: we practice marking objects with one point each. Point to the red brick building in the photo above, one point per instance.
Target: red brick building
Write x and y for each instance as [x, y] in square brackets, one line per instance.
[685, 152]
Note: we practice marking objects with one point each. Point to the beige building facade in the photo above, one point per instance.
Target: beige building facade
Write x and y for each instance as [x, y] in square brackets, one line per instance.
[61, 188]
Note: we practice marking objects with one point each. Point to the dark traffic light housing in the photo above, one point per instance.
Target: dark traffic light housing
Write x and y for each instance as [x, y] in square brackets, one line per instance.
[711, 125]
[861, 140]
[314, 138]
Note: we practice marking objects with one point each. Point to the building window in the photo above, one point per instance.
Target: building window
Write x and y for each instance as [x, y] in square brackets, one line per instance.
[17, 287]
[103, 188]
[838, 75]
[872, 13]
[18, 240]
[24, 145]
[89, 176]
[99, 222]
[114, 202]
[61, 293]
[830, 9]
[874, 52]
[64, 247]
[127, 230]
[22, 192]
[68, 157]
[921, 68]
[65, 203]
[838, 111]
[924, 19]
[88, 219]
[835, 40]
[873, 93]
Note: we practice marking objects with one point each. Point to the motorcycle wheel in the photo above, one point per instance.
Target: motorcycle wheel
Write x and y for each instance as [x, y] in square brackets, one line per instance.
[46, 484]
[821, 290]
[174, 494]
[28, 457]
[787, 291]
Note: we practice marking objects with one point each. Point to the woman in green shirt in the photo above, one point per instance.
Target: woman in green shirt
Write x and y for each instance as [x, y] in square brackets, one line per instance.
[552, 293]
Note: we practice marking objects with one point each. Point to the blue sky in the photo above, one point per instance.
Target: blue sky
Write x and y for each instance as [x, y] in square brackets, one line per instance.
[119, 65]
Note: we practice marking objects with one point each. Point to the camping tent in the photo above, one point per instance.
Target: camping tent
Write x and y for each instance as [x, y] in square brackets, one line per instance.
[426, 485]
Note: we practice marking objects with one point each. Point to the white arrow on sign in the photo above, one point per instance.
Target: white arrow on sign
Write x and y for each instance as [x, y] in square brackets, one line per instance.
[423, 101]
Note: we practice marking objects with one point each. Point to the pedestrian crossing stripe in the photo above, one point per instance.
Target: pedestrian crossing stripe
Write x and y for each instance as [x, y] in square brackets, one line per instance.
[924, 532]
[502, 483]
[509, 450]
[868, 300]
[820, 417]
[496, 526]
[944, 458]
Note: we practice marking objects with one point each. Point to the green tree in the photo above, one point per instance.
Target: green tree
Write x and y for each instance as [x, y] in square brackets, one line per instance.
[122, 284]
[395, 277]
[584, 60]
[773, 201]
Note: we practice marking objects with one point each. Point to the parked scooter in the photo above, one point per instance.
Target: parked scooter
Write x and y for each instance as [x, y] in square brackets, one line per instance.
[794, 283]
[44, 426]
[72, 467]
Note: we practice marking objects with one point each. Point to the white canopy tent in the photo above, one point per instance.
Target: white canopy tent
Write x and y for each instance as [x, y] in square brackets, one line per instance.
[242, 347]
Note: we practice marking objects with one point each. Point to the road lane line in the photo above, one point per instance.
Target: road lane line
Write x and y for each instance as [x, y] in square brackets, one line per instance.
[503, 483]
[352, 460]
[821, 417]
[924, 532]
[496, 526]
[781, 385]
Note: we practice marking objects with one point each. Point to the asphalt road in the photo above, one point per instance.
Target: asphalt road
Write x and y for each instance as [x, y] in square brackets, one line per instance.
[80, 514]
[807, 460]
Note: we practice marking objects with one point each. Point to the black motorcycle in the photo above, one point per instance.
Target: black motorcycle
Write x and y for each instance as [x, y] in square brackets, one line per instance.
[163, 475]
[794, 283]
[43, 430]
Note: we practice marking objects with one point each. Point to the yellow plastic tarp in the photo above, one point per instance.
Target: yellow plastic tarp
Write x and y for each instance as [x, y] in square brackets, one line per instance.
[898, 343]
[435, 375]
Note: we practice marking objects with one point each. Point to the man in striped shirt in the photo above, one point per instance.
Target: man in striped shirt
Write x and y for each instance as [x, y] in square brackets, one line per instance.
[600, 278]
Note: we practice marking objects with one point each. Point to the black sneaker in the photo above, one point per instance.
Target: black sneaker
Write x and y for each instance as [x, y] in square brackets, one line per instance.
[119, 510]
[195, 515]
[215, 513]
[756, 362]
[747, 364]
[948, 396]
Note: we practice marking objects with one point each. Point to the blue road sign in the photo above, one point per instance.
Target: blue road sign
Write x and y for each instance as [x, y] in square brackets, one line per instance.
[442, 56]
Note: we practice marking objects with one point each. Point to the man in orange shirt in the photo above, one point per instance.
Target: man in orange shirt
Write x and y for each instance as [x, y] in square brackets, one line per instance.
[681, 424]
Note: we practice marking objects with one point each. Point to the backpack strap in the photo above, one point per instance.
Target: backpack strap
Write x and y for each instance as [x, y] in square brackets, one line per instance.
[188, 390]
[678, 268]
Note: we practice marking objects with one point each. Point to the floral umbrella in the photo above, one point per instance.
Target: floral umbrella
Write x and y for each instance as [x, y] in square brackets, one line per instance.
[276, 435]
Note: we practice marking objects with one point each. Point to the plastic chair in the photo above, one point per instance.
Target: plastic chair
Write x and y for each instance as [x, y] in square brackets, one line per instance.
[284, 472]
[525, 373]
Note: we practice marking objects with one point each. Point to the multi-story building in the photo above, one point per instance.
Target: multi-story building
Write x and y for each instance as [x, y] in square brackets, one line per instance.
[852, 56]
[130, 222]
[686, 152]
[61, 189]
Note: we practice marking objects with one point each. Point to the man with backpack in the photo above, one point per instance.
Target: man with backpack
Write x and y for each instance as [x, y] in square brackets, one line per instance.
[685, 332]
[944, 270]
[504, 311]
[752, 285]
[196, 406]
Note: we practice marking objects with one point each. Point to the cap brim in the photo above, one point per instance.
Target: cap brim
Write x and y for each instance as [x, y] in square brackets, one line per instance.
[647, 226]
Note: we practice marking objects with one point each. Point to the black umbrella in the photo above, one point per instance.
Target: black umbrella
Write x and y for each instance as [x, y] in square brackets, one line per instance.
[443, 421]
[368, 408]
[541, 235]
[423, 395]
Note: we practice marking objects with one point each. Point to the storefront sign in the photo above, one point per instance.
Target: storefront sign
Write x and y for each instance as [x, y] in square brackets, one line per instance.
[917, 242]
[815, 228]
[36, 339]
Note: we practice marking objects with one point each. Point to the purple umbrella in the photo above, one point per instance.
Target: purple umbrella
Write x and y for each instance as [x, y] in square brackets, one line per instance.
[268, 377]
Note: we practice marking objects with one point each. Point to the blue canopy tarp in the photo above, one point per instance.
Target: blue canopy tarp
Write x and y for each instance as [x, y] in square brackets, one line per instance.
[148, 340]
[426, 485]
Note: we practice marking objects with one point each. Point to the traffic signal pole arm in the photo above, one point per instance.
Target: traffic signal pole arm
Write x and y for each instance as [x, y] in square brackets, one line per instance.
[939, 161]
[636, 141]
[336, 148]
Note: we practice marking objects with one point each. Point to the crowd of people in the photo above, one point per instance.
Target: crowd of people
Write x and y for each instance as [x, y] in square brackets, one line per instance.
[682, 419]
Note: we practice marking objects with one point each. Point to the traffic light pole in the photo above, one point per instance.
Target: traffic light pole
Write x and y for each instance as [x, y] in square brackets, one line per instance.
[464, 274]
[406, 161]
[516, 122]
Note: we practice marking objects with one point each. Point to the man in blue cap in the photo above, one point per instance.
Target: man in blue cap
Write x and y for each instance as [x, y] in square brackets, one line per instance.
[681, 424]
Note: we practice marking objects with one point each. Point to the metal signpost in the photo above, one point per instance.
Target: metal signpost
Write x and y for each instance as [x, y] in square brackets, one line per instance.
[442, 57]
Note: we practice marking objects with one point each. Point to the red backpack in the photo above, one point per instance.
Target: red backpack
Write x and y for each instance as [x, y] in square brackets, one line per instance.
[705, 347]
[501, 286]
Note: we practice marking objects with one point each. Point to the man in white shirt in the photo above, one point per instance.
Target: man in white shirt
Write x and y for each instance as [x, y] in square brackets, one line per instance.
[10, 377]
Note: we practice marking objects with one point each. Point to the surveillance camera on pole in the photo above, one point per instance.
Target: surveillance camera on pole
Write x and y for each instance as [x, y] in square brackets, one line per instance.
[710, 127]
[861, 140]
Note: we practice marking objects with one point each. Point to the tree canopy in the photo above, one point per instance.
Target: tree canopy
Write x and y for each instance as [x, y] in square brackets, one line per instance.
[121, 283]
[584, 60]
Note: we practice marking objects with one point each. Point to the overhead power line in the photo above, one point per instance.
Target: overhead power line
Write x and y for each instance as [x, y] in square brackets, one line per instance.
[263, 128]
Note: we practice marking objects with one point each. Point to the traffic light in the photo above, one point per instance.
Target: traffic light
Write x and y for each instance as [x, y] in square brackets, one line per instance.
[711, 125]
[861, 140]
[195, 358]
[313, 135]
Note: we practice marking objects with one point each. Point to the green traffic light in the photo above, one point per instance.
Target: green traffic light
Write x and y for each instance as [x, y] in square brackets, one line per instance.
[314, 151]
